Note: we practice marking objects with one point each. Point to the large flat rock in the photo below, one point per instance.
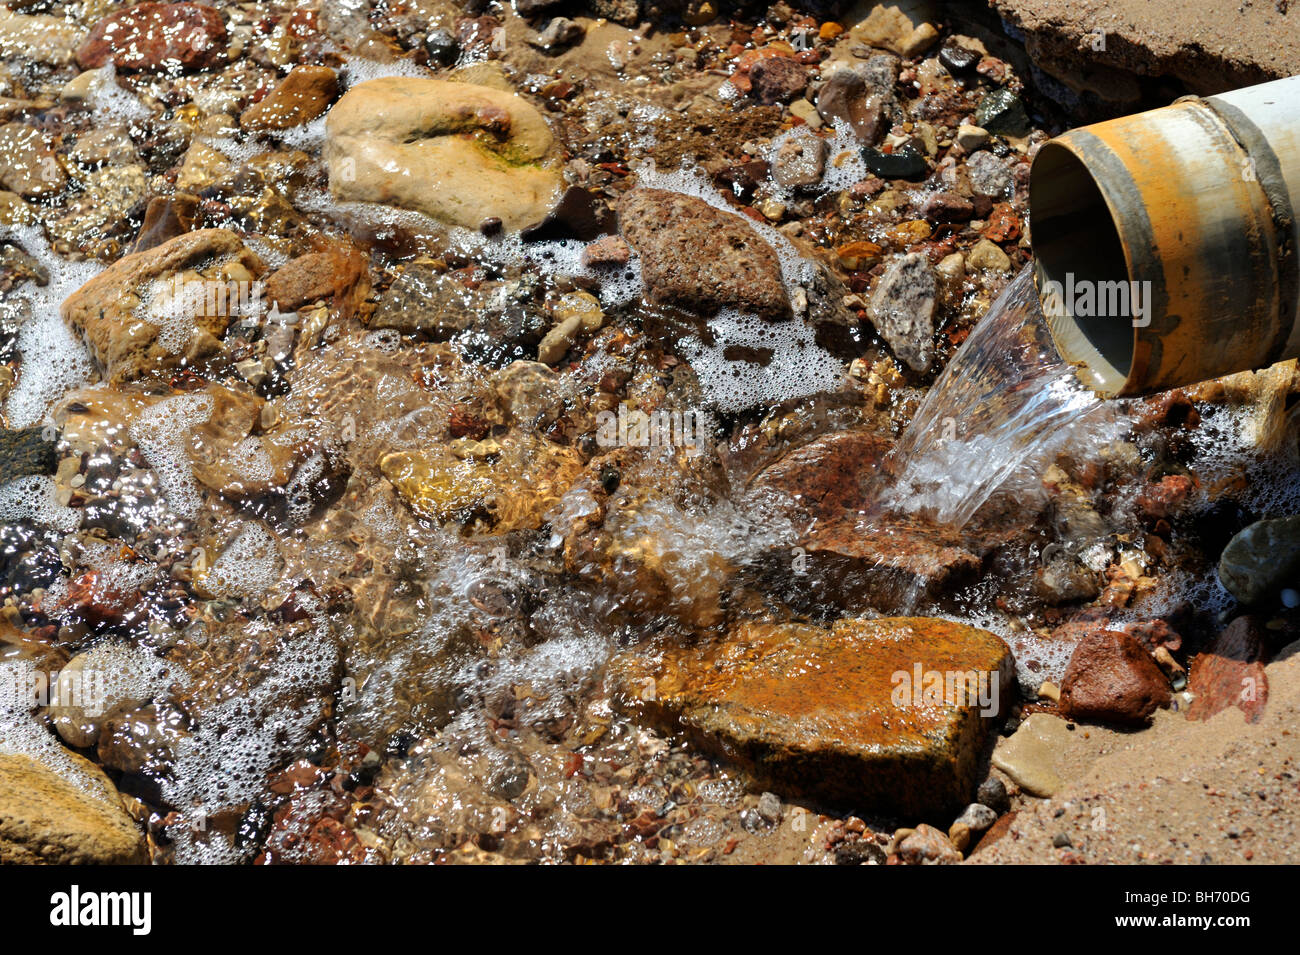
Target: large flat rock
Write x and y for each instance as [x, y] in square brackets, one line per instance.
[1205, 45]
[830, 714]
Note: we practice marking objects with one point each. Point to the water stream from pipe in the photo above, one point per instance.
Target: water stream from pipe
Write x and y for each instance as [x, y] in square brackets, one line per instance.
[1004, 396]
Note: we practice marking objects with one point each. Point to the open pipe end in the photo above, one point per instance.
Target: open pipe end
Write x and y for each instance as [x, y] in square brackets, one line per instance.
[1077, 241]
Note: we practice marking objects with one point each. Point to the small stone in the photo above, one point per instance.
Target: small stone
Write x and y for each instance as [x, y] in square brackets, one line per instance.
[299, 98]
[777, 79]
[28, 165]
[807, 112]
[902, 163]
[800, 161]
[769, 807]
[926, 845]
[559, 33]
[458, 152]
[442, 48]
[1111, 678]
[948, 207]
[1001, 112]
[699, 257]
[988, 175]
[902, 309]
[993, 793]
[975, 819]
[1029, 756]
[1062, 841]
[1047, 690]
[845, 96]
[1261, 558]
[986, 255]
[891, 27]
[315, 276]
[956, 58]
[610, 250]
[970, 138]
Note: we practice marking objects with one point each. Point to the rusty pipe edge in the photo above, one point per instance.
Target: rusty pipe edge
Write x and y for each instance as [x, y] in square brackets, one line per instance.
[1190, 207]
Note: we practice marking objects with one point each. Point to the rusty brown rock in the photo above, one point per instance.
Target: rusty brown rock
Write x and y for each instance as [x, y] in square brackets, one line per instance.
[831, 713]
[1231, 673]
[327, 274]
[1112, 679]
[701, 258]
[884, 563]
[298, 98]
[157, 36]
[165, 218]
[825, 477]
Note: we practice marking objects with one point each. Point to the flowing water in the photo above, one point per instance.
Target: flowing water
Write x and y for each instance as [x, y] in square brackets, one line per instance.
[1005, 395]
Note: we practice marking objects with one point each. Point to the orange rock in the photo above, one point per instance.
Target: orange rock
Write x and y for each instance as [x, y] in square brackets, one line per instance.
[832, 713]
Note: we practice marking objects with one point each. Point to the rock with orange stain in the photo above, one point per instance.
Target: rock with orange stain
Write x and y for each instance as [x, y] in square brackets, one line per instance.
[868, 712]
[1231, 673]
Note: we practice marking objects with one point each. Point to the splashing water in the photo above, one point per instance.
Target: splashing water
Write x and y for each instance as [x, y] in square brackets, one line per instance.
[1005, 395]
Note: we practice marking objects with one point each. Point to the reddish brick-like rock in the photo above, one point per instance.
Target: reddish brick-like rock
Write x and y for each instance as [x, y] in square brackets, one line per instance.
[1112, 679]
[157, 36]
[1231, 673]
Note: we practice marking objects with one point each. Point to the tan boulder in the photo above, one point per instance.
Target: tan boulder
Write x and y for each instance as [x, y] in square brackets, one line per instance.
[458, 152]
[47, 818]
[138, 316]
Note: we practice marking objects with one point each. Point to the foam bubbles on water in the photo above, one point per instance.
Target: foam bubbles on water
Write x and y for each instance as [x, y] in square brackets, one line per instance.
[798, 365]
[32, 500]
[53, 360]
[160, 432]
[249, 565]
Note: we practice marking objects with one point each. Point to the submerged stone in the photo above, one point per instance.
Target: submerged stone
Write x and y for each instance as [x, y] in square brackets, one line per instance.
[1002, 112]
[869, 713]
[1262, 558]
[699, 257]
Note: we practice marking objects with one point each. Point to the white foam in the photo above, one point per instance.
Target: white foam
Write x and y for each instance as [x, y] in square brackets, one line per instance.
[53, 360]
[160, 432]
[33, 500]
[248, 566]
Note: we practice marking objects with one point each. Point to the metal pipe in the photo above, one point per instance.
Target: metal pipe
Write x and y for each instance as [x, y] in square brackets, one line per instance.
[1165, 242]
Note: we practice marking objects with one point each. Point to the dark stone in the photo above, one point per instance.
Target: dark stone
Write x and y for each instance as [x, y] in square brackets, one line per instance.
[442, 48]
[26, 451]
[993, 793]
[578, 215]
[1001, 112]
[902, 163]
[956, 58]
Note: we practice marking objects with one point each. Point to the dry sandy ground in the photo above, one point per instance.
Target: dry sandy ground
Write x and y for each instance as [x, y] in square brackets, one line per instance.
[1220, 791]
[1210, 45]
